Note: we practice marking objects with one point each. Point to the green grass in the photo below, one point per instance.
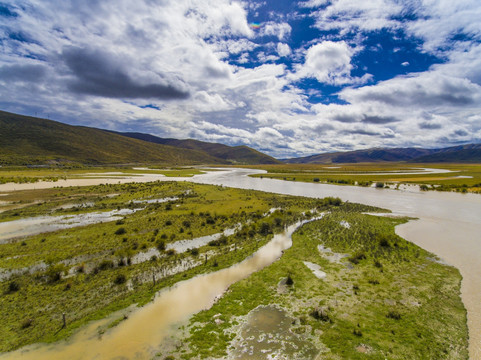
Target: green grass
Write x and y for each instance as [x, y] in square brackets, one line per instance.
[341, 174]
[391, 298]
[97, 254]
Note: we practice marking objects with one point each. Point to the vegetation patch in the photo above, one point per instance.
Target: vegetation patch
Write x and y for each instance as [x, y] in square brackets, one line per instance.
[387, 299]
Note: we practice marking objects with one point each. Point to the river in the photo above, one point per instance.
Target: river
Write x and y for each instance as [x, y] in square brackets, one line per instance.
[449, 226]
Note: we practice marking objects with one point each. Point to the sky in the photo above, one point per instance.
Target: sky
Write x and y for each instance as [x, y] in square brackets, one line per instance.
[288, 78]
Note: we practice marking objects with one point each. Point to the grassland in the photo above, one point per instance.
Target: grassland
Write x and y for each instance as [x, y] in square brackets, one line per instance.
[19, 175]
[382, 297]
[463, 178]
[91, 271]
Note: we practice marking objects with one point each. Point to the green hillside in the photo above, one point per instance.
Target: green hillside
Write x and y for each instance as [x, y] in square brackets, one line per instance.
[28, 140]
[231, 154]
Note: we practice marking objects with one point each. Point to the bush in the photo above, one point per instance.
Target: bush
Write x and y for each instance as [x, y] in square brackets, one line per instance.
[265, 229]
[26, 323]
[357, 257]
[13, 287]
[393, 314]
[54, 272]
[161, 245]
[106, 264]
[120, 279]
[357, 332]
[120, 231]
[320, 314]
[379, 185]
[316, 180]
[289, 280]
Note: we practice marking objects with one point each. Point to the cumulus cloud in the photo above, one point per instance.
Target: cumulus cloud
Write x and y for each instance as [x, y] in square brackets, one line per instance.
[280, 30]
[430, 89]
[283, 49]
[329, 62]
[180, 68]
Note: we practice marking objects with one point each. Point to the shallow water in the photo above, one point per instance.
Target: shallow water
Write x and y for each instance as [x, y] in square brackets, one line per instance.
[266, 335]
[143, 331]
[449, 225]
[42, 224]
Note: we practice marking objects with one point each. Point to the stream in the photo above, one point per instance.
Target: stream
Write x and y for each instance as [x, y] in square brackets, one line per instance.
[139, 335]
[449, 226]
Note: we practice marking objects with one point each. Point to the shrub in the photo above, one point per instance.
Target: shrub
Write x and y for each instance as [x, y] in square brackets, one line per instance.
[54, 272]
[13, 287]
[289, 280]
[423, 187]
[357, 257]
[26, 323]
[170, 252]
[168, 223]
[120, 231]
[265, 229]
[357, 332]
[120, 279]
[161, 245]
[316, 180]
[320, 314]
[393, 314]
[379, 185]
[194, 251]
[106, 264]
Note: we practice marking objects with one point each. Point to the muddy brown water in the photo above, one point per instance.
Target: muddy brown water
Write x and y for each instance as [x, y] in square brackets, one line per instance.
[449, 226]
[139, 335]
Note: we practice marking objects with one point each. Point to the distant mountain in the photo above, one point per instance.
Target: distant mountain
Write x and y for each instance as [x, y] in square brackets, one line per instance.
[230, 154]
[30, 140]
[464, 153]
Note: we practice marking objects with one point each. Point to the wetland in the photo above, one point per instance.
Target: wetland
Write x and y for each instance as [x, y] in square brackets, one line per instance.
[95, 256]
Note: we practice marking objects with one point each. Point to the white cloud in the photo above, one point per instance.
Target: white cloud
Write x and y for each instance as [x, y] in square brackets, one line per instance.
[283, 49]
[329, 62]
[280, 30]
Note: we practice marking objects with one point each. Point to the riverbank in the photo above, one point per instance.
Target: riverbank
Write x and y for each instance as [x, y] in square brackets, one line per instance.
[377, 295]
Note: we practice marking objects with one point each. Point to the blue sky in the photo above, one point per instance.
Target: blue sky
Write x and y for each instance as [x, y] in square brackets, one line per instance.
[287, 78]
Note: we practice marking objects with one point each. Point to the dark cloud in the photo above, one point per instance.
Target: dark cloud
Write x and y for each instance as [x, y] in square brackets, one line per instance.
[379, 119]
[430, 125]
[461, 133]
[346, 118]
[99, 73]
[384, 135]
[25, 73]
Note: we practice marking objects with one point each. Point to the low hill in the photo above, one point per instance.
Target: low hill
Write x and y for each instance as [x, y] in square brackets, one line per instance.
[463, 153]
[231, 154]
[30, 140]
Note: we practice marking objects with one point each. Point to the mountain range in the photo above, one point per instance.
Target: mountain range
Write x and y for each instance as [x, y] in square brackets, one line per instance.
[461, 153]
[26, 140]
[30, 140]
